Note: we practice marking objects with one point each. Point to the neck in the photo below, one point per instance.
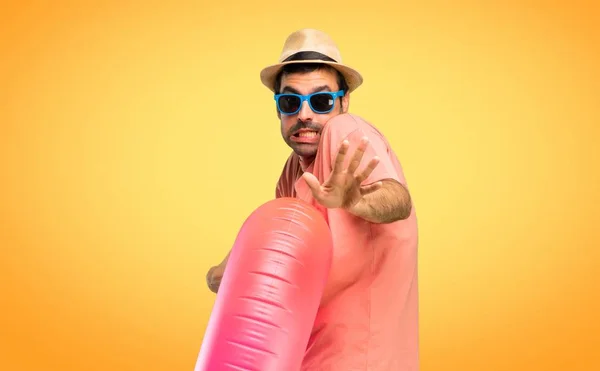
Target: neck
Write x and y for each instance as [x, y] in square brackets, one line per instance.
[306, 161]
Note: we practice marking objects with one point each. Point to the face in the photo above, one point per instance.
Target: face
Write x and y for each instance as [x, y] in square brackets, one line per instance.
[302, 131]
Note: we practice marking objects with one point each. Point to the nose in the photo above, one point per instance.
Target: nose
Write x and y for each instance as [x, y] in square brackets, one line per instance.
[305, 113]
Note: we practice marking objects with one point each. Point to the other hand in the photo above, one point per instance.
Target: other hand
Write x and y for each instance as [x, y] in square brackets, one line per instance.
[214, 277]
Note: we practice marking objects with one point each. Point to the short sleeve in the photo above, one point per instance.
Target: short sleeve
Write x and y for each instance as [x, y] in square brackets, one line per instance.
[354, 129]
[278, 193]
[287, 179]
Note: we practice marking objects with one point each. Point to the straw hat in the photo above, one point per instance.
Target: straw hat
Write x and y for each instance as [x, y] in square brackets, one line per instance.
[310, 46]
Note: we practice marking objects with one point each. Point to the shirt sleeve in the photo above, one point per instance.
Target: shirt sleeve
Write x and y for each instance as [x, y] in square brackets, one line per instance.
[280, 188]
[278, 191]
[285, 184]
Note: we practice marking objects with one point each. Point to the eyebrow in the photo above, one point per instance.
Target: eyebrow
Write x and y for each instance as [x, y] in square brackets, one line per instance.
[289, 89]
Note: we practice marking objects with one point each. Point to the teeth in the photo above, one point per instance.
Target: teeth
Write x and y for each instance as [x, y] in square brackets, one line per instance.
[308, 134]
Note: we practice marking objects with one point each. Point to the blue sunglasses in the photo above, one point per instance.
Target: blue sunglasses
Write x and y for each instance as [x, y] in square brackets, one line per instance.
[321, 102]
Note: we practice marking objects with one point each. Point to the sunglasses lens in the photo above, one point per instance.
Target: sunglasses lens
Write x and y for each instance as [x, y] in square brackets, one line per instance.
[289, 103]
[322, 102]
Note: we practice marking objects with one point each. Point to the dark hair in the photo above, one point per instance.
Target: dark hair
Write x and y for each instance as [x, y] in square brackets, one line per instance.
[307, 68]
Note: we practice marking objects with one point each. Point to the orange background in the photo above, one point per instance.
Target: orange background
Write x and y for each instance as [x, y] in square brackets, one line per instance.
[129, 131]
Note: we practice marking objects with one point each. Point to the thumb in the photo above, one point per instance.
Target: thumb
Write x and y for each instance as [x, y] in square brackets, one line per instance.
[313, 183]
[365, 190]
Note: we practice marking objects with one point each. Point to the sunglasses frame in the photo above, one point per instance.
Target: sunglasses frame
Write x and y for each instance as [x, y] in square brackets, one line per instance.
[334, 96]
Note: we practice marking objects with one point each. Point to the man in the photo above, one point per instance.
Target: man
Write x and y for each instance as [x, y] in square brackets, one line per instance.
[368, 316]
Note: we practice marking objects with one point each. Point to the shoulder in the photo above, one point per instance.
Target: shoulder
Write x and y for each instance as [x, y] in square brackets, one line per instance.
[351, 127]
[287, 178]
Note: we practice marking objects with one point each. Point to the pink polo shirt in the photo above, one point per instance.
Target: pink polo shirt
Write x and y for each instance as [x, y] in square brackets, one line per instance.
[368, 317]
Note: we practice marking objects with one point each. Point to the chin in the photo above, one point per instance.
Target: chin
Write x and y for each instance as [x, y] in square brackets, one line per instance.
[305, 150]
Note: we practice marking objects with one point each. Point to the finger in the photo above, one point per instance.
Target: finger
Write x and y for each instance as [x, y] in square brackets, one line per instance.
[358, 155]
[365, 190]
[368, 170]
[341, 155]
[313, 184]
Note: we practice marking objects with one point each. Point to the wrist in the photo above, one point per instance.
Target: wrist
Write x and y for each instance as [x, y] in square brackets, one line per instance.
[361, 209]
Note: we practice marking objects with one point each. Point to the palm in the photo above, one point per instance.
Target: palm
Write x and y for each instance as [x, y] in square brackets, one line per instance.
[343, 188]
[339, 190]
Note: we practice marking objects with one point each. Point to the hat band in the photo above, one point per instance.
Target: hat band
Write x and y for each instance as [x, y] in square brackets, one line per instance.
[309, 55]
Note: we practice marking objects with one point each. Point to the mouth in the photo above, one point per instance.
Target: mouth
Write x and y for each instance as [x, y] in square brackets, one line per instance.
[306, 136]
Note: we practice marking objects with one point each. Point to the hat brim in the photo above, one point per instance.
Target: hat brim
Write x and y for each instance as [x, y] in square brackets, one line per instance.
[352, 76]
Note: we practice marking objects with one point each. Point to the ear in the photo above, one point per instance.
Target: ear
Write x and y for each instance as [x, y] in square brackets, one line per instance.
[345, 102]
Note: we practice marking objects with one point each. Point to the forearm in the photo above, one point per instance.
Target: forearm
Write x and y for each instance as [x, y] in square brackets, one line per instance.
[390, 203]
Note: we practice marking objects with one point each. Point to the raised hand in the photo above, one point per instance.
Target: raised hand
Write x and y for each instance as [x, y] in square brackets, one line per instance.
[343, 188]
